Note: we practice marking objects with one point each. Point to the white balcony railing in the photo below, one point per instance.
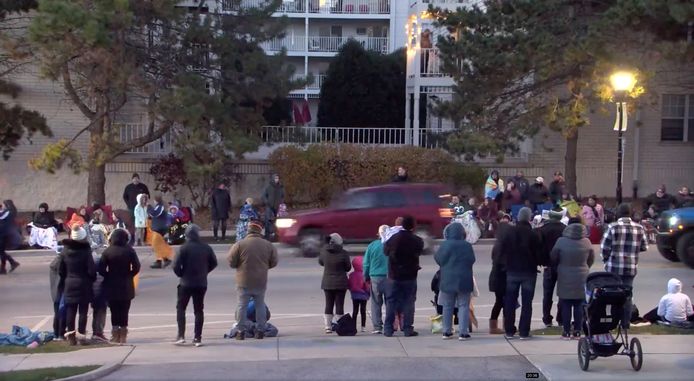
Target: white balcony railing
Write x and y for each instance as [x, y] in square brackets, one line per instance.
[325, 44]
[315, 6]
[131, 131]
[317, 82]
[379, 136]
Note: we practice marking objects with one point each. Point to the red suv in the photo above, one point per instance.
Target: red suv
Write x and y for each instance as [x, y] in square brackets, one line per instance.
[358, 212]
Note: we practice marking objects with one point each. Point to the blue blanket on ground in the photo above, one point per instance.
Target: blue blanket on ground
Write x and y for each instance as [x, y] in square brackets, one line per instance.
[23, 336]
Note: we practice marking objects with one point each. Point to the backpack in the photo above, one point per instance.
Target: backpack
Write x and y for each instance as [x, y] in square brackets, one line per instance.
[345, 326]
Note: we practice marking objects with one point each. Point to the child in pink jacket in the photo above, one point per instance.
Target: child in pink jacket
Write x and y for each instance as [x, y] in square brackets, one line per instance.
[359, 290]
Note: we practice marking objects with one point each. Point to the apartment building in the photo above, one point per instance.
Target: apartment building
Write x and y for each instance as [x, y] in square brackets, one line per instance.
[316, 31]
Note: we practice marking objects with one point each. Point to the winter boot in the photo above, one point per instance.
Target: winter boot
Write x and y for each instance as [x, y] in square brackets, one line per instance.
[156, 265]
[115, 335]
[494, 327]
[328, 320]
[123, 337]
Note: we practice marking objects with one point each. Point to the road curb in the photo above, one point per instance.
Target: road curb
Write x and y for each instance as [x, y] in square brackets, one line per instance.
[95, 374]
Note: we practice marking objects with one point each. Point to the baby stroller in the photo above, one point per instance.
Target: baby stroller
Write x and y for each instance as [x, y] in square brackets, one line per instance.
[606, 296]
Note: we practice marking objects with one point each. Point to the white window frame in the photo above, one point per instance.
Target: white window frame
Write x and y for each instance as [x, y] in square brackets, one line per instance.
[688, 115]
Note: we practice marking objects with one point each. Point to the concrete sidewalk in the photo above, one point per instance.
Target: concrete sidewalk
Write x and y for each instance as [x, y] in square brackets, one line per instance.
[315, 356]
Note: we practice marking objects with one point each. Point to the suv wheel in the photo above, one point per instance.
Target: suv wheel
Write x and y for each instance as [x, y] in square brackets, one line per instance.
[668, 253]
[685, 248]
[310, 242]
[423, 233]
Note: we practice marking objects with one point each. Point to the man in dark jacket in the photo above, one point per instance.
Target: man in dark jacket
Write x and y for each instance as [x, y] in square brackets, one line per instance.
[220, 206]
[557, 187]
[659, 202]
[522, 184]
[195, 259]
[273, 196]
[131, 191]
[550, 232]
[520, 248]
[537, 193]
[403, 251]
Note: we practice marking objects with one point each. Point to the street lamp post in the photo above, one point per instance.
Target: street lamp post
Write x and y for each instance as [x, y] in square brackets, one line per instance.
[622, 83]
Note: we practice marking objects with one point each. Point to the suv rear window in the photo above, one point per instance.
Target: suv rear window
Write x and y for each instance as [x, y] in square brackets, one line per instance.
[391, 199]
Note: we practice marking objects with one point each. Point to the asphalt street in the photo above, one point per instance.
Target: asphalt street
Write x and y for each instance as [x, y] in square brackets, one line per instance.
[294, 296]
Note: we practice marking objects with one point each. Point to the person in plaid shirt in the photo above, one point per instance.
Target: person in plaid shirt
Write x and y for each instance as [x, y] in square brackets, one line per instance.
[621, 244]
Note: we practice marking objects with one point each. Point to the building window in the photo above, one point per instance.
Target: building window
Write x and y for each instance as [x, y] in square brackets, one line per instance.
[677, 118]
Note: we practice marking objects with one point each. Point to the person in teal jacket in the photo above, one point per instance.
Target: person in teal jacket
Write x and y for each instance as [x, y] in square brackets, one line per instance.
[376, 272]
[455, 257]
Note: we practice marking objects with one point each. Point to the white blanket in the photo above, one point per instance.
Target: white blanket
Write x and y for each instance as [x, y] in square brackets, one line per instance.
[47, 238]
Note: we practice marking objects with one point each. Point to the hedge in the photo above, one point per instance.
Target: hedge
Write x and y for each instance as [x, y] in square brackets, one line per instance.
[314, 174]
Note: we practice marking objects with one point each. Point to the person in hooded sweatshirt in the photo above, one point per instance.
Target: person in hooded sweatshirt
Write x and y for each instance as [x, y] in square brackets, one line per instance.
[336, 265]
[674, 307]
[195, 259]
[140, 221]
[359, 290]
[57, 286]
[521, 249]
[455, 257]
[573, 256]
[118, 265]
[160, 226]
[77, 272]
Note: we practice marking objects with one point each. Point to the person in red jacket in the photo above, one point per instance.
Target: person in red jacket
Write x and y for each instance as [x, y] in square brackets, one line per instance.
[359, 290]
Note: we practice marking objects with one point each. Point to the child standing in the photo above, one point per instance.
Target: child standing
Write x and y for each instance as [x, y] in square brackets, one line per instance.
[359, 291]
[57, 286]
[140, 218]
[247, 214]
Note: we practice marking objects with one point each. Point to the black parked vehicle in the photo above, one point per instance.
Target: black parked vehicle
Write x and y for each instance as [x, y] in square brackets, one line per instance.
[676, 235]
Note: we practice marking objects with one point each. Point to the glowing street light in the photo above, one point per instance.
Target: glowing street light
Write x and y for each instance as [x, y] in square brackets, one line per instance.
[622, 83]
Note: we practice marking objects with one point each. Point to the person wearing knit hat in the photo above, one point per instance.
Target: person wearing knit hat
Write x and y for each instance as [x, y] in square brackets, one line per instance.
[520, 248]
[78, 272]
[336, 265]
[550, 232]
[620, 248]
[252, 257]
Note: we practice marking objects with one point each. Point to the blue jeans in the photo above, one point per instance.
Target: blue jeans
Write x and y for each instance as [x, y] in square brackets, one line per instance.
[627, 280]
[566, 306]
[400, 297]
[245, 295]
[377, 298]
[451, 300]
[525, 283]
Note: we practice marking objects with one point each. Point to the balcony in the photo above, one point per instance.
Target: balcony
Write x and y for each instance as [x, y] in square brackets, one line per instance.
[314, 85]
[319, 44]
[377, 136]
[130, 131]
[326, 7]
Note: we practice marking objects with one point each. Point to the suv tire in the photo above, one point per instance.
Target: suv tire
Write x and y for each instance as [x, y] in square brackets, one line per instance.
[310, 242]
[685, 249]
[668, 253]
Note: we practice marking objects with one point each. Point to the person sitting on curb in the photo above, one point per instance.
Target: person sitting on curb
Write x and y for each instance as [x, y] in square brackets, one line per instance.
[675, 307]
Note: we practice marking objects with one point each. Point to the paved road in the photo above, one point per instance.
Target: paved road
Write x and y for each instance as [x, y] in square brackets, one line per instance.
[296, 300]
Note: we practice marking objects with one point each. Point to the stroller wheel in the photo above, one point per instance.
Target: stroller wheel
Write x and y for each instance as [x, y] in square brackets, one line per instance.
[636, 354]
[583, 353]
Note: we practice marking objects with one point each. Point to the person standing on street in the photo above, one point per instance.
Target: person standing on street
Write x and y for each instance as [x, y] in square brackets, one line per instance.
[522, 184]
[375, 273]
[160, 227]
[620, 247]
[77, 272]
[403, 251]
[497, 277]
[336, 265]
[220, 206]
[195, 259]
[520, 248]
[131, 192]
[557, 187]
[455, 258]
[273, 196]
[118, 265]
[572, 256]
[550, 232]
[8, 232]
[252, 257]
